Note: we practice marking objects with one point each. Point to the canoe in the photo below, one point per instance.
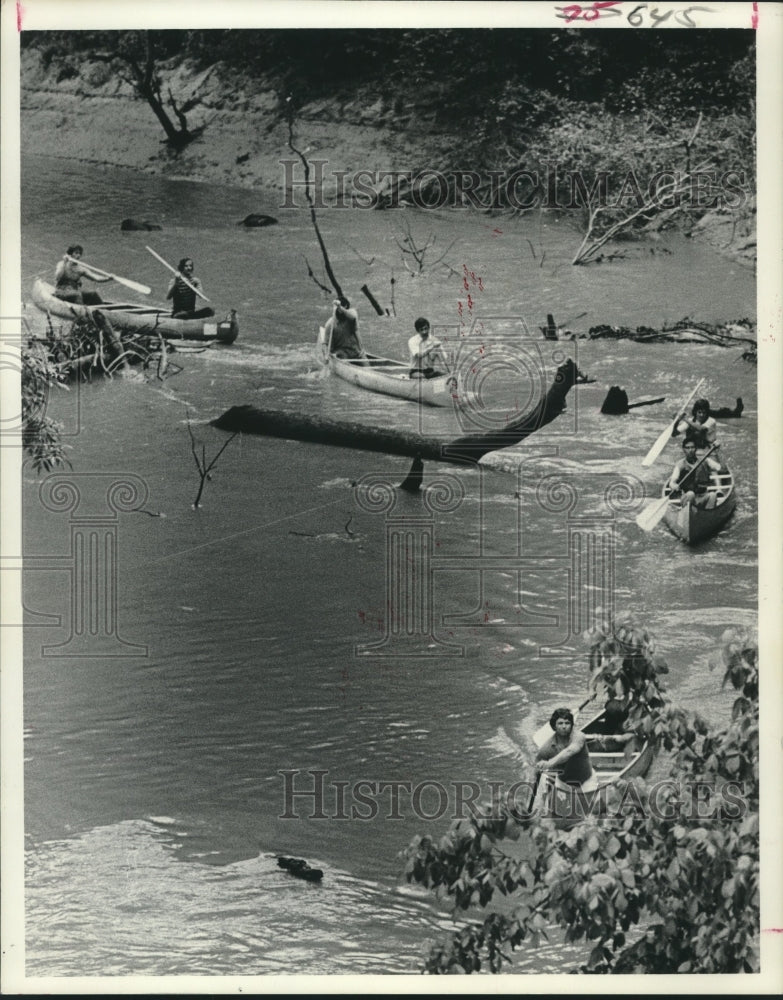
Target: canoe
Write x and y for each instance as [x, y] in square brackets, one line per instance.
[611, 761]
[138, 318]
[391, 378]
[693, 524]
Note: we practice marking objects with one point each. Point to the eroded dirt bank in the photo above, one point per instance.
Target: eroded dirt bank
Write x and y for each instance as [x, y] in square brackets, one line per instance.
[89, 114]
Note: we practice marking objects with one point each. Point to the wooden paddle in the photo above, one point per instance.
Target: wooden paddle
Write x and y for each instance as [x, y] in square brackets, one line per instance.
[135, 285]
[541, 735]
[653, 513]
[664, 436]
[179, 274]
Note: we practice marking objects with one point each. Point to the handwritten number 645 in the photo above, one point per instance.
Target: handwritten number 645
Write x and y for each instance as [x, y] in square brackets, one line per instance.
[575, 11]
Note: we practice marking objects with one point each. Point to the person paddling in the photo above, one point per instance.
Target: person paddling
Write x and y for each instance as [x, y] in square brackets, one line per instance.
[182, 290]
[700, 426]
[699, 476]
[565, 752]
[425, 351]
[342, 331]
[68, 278]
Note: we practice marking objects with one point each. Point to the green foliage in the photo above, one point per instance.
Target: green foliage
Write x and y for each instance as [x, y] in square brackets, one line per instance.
[459, 70]
[666, 881]
[625, 664]
[41, 436]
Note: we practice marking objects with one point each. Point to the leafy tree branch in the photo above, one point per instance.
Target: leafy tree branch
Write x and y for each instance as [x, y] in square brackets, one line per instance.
[663, 889]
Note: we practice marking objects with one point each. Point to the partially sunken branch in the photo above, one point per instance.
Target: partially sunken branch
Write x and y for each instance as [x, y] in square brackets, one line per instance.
[204, 467]
[327, 263]
[651, 204]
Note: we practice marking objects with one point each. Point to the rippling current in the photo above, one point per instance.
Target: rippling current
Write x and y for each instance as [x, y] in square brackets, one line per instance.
[153, 794]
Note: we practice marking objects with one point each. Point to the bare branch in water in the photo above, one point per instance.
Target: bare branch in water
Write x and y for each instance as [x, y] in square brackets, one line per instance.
[203, 467]
[313, 218]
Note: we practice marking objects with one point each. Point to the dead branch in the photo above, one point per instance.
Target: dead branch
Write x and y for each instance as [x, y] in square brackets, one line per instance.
[313, 218]
[163, 361]
[591, 243]
[410, 248]
[204, 468]
[324, 288]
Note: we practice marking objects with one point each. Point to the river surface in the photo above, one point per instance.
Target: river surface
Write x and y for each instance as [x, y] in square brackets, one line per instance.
[154, 803]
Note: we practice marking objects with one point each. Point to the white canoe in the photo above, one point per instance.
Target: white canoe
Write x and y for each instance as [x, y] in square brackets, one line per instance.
[138, 318]
[613, 759]
[391, 378]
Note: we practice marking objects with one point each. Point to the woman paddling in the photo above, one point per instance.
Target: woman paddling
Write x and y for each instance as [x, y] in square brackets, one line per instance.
[182, 290]
[68, 278]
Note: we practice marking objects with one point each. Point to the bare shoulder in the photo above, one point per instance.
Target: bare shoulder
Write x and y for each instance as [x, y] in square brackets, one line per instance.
[546, 750]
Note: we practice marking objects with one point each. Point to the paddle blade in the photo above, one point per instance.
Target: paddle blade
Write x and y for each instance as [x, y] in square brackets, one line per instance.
[541, 735]
[652, 514]
[660, 444]
[135, 285]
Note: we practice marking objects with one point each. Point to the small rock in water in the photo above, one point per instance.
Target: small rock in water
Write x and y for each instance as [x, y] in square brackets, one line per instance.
[256, 221]
[300, 868]
[133, 226]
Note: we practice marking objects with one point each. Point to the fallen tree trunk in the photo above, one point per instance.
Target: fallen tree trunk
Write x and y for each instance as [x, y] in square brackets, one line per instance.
[465, 450]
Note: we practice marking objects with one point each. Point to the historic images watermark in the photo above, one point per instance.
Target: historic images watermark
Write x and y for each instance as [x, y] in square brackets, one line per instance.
[316, 795]
[27, 391]
[551, 188]
[93, 502]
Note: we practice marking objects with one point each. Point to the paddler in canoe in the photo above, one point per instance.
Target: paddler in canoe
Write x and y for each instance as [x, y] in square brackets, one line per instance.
[183, 289]
[342, 331]
[697, 492]
[68, 278]
[426, 352]
[565, 752]
[699, 426]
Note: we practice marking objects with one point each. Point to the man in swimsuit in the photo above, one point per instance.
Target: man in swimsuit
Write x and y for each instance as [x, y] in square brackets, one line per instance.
[183, 297]
[68, 279]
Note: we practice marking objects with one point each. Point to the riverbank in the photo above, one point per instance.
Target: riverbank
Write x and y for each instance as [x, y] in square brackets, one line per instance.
[91, 116]
[85, 112]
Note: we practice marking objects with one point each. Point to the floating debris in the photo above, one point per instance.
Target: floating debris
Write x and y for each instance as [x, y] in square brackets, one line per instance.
[684, 331]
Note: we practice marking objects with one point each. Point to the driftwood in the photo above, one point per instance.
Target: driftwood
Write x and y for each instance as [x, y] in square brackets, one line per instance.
[412, 482]
[311, 204]
[372, 300]
[300, 868]
[684, 331]
[466, 450]
[91, 344]
[204, 467]
[616, 402]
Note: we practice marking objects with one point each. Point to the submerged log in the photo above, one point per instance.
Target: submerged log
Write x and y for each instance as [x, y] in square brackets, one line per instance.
[727, 412]
[412, 482]
[347, 434]
[300, 868]
[616, 402]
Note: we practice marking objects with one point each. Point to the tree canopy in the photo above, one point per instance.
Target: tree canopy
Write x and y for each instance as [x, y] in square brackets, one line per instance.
[459, 70]
[666, 881]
